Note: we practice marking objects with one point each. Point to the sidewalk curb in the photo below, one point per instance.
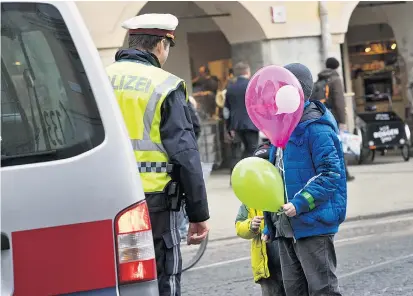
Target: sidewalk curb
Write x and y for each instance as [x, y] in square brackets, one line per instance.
[351, 219]
[379, 215]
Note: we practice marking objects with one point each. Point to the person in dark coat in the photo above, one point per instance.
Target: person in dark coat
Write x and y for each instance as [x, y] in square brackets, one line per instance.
[336, 100]
[239, 123]
[205, 88]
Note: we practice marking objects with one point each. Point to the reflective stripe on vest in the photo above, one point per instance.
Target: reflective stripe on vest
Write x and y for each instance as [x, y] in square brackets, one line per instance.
[152, 167]
[141, 107]
[146, 143]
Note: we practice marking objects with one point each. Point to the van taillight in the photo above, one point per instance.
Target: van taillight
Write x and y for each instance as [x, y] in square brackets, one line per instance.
[135, 251]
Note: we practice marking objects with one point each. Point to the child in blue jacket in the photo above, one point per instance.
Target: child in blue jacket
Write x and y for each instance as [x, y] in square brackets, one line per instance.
[316, 199]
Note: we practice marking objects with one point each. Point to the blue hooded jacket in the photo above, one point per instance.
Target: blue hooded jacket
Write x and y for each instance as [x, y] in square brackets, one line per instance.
[315, 175]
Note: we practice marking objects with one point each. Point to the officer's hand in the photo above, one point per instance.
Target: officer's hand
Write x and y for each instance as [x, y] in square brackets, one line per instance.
[197, 232]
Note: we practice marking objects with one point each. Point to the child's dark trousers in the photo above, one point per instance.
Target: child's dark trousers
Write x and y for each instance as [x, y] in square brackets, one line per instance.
[309, 266]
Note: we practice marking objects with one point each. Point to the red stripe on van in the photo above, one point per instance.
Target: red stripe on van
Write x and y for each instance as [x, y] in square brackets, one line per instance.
[64, 259]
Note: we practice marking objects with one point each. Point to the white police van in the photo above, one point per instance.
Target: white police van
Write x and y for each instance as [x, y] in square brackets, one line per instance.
[73, 216]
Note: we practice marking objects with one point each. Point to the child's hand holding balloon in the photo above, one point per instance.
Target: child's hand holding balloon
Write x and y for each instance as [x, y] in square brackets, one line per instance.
[289, 210]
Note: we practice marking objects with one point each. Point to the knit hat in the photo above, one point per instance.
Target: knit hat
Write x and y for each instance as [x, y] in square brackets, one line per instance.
[303, 74]
[332, 63]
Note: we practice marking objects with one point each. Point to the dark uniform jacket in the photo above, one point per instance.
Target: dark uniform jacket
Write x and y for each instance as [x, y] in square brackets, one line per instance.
[178, 138]
[195, 120]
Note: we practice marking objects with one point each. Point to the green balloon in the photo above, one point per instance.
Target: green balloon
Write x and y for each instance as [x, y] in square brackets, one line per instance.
[258, 184]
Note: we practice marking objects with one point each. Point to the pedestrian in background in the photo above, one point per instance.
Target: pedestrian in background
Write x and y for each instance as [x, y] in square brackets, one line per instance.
[265, 260]
[329, 90]
[239, 123]
[231, 78]
[205, 87]
[316, 199]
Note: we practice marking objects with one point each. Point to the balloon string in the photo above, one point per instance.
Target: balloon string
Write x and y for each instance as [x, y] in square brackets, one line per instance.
[280, 165]
[280, 162]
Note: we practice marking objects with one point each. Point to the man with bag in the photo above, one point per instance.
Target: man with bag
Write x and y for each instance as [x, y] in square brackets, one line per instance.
[328, 89]
[154, 104]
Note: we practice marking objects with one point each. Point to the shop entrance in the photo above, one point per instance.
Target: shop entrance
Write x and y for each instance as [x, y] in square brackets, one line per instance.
[377, 68]
[210, 69]
[379, 75]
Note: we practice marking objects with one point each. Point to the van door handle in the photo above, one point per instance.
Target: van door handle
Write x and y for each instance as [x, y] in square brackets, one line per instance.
[5, 243]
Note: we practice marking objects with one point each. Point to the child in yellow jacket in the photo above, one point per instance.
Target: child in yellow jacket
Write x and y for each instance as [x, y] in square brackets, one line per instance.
[265, 259]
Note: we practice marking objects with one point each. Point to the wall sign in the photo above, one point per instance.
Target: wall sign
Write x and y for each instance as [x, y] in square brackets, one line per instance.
[278, 14]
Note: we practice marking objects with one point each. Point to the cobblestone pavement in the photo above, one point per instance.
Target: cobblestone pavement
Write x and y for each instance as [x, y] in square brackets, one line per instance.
[375, 258]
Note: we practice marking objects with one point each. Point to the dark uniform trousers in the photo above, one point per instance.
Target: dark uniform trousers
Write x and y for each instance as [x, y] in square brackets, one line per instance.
[166, 241]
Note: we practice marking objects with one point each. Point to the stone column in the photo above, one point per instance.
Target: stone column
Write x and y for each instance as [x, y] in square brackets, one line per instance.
[251, 53]
[304, 50]
[346, 68]
[405, 47]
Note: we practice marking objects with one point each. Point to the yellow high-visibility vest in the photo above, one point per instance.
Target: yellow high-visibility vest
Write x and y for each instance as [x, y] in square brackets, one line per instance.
[140, 91]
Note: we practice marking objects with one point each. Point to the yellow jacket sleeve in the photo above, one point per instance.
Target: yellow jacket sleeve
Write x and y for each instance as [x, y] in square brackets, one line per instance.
[243, 224]
[243, 229]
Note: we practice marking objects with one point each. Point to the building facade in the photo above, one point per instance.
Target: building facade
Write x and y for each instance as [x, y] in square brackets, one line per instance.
[362, 35]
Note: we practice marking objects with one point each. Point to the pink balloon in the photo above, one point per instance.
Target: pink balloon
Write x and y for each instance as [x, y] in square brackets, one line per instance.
[275, 115]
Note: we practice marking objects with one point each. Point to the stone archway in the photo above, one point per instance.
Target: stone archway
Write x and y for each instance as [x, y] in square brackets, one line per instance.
[236, 31]
[234, 39]
[241, 35]
[396, 15]
[240, 27]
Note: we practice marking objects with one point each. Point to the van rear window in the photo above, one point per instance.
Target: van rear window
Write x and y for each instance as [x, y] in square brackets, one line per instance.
[48, 110]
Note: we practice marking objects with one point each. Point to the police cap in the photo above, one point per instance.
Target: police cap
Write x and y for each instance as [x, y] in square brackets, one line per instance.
[154, 24]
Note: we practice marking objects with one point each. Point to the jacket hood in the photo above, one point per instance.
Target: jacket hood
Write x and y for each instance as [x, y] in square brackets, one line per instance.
[137, 55]
[327, 73]
[315, 112]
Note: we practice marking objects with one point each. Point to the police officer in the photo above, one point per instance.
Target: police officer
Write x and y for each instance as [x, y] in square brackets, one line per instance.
[154, 104]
